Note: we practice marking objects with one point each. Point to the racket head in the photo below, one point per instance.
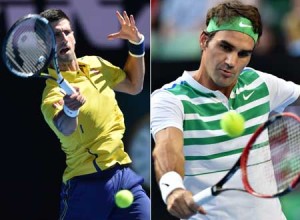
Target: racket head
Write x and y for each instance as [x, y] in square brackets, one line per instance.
[29, 46]
[270, 163]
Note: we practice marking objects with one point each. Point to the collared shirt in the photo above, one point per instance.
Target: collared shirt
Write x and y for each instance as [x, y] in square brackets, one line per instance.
[209, 152]
[97, 141]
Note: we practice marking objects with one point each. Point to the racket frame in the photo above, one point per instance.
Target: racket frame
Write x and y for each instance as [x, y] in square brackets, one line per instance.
[208, 193]
[5, 41]
[64, 84]
[246, 152]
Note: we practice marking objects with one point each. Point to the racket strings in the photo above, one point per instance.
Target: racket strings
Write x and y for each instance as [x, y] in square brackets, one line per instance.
[32, 54]
[285, 151]
[273, 166]
[27, 53]
[28, 47]
[16, 53]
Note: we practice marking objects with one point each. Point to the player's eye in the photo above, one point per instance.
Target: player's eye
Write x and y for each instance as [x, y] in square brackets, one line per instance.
[226, 47]
[67, 32]
[61, 33]
[243, 54]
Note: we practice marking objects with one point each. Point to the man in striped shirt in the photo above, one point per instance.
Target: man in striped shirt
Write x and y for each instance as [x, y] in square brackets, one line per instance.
[191, 151]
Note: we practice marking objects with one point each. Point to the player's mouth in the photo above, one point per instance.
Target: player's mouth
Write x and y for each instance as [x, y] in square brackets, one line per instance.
[226, 73]
[64, 50]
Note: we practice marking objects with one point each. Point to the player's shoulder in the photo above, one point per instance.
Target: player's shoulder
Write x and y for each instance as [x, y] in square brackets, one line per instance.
[161, 92]
[177, 82]
[249, 72]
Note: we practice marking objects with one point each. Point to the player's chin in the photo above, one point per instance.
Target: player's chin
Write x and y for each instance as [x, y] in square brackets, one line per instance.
[224, 82]
[66, 58]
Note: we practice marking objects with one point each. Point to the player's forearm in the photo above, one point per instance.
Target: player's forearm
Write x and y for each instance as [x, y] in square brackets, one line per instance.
[168, 152]
[135, 70]
[169, 161]
[165, 161]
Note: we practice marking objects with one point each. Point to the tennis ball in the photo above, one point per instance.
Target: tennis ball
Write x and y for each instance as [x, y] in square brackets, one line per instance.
[123, 198]
[233, 123]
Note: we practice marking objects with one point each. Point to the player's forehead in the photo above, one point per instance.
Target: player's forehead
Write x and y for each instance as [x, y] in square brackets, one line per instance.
[61, 25]
[237, 39]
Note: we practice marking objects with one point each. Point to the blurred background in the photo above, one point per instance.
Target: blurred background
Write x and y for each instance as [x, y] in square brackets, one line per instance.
[175, 29]
[32, 162]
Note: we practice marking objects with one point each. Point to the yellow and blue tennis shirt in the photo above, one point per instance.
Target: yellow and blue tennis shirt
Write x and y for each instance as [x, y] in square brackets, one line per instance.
[97, 141]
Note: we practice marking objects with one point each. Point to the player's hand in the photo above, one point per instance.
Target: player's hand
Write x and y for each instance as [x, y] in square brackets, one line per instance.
[181, 204]
[128, 31]
[75, 100]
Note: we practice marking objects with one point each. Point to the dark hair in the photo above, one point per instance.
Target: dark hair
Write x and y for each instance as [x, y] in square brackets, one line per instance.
[227, 10]
[53, 15]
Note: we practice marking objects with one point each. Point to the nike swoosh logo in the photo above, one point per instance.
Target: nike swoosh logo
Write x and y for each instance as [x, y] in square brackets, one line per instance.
[241, 24]
[167, 185]
[246, 97]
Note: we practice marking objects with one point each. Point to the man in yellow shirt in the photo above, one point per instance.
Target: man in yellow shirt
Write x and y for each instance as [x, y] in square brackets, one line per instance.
[90, 125]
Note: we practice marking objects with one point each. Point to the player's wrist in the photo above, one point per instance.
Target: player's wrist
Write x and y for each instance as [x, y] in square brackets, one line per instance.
[69, 112]
[137, 49]
[168, 183]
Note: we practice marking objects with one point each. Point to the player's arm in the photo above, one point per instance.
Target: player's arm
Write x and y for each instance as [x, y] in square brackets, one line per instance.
[66, 120]
[135, 64]
[168, 152]
[169, 161]
[135, 72]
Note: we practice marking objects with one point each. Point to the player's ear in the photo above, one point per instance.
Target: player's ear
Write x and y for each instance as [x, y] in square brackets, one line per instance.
[203, 40]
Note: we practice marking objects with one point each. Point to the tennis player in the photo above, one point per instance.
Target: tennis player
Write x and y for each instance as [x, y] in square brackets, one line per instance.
[90, 125]
[191, 151]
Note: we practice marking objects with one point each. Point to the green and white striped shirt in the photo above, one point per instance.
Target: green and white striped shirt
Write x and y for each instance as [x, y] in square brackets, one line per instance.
[209, 152]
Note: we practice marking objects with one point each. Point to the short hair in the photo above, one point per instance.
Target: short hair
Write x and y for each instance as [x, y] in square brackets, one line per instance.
[53, 15]
[227, 10]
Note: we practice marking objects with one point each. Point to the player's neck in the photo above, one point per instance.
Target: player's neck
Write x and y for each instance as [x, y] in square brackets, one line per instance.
[69, 66]
[202, 77]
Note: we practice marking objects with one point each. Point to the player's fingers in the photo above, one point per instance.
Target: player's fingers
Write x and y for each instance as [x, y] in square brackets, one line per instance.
[201, 210]
[180, 204]
[120, 18]
[126, 18]
[58, 104]
[77, 103]
[79, 99]
[182, 211]
[194, 206]
[191, 208]
[82, 100]
[113, 36]
[77, 89]
[132, 21]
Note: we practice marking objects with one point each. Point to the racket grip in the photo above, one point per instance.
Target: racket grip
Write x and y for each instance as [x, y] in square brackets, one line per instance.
[65, 85]
[203, 197]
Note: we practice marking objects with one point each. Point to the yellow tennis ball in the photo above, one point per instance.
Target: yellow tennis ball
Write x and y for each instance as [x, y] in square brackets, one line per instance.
[233, 123]
[123, 198]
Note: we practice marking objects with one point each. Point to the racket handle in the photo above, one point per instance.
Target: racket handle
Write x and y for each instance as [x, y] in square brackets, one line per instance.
[65, 85]
[204, 196]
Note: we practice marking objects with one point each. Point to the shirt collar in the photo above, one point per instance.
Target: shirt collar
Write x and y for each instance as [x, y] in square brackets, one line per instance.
[71, 75]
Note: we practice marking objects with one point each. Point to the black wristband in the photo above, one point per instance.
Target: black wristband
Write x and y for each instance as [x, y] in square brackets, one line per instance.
[136, 49]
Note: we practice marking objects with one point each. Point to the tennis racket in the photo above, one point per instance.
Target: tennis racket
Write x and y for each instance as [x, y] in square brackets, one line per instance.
[270, 162]
[29, 47]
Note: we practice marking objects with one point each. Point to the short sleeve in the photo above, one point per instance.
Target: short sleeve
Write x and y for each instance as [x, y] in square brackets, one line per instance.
[282, 92]
[166, 111]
